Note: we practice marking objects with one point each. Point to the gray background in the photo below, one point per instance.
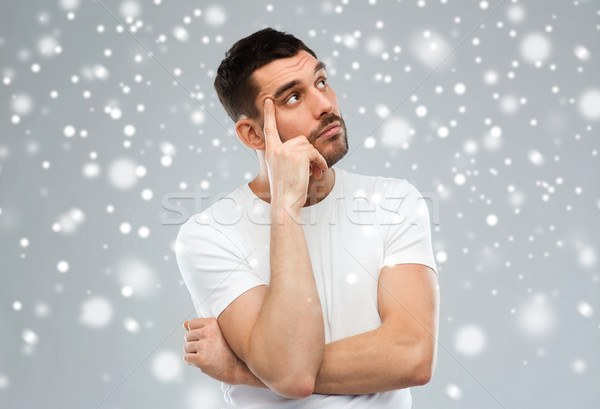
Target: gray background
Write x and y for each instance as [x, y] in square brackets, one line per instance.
[92, 302]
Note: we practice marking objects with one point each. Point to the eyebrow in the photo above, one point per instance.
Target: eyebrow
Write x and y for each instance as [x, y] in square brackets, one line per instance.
[321, 65]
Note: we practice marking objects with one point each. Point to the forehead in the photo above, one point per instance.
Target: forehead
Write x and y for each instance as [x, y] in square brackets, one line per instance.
[279, 72]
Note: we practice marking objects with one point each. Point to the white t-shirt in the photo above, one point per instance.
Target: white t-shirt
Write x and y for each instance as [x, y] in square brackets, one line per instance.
[362, 225]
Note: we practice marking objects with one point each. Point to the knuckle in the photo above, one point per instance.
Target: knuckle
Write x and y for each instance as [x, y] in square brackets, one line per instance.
[198, 360]
[278, 152]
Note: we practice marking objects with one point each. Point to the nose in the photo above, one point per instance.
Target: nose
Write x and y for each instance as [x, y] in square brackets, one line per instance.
[322, 103]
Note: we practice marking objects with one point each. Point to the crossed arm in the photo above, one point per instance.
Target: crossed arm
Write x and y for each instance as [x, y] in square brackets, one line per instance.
[399, 354]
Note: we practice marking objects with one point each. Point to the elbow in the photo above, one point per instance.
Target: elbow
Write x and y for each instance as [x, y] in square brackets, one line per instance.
[422, 377]
[297, 387]
[424, 368]
[287, 381]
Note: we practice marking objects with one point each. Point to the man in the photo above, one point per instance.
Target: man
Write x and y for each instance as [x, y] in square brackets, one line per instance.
[308, 297]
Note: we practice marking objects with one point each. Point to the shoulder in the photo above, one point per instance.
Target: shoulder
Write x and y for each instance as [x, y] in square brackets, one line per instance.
[393, 199]
[216, 223]
[383, 186]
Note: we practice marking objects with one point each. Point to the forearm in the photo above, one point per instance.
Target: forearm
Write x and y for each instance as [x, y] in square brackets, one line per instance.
[288, 339]
[369, 363]
[362, 364]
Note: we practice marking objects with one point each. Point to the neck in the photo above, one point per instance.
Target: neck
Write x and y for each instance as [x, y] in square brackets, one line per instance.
[318, 189]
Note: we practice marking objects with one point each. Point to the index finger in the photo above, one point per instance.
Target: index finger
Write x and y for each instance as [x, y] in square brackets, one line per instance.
[270, 127]
[197, 323]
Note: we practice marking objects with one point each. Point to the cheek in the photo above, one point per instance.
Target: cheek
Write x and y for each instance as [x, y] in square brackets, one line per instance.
[290, 128]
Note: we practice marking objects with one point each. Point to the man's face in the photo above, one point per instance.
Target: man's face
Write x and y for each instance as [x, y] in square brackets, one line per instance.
[305, 104]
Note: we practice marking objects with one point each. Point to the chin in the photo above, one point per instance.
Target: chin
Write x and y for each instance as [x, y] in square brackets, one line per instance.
[334, 154]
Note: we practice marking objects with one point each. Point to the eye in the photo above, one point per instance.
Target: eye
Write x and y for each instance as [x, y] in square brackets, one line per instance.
[291, 98]
[323, 81]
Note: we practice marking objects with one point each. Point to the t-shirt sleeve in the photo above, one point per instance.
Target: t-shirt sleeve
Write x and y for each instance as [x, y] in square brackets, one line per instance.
[214, 267]
[406, 228]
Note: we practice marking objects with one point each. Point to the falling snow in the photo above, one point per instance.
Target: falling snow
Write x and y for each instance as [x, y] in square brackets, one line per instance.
[96, 312]
[167, 366]
[470, 340]
[112, 134]
[537, 317]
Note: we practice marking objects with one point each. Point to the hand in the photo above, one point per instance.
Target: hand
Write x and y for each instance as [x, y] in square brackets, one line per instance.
[289, 164]
[207, 349]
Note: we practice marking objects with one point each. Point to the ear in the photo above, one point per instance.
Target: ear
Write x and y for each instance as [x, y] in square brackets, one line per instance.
[250, 133]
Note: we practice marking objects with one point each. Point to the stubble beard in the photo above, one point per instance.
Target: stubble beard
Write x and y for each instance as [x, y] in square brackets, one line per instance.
[335, 154]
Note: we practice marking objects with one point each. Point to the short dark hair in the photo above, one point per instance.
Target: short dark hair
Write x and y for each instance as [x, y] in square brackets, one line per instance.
[234, 84]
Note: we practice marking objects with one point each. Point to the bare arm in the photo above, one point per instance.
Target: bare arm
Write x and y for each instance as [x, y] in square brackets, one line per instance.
[278, 330]
[398, 354]
[287, 341]
[401, 352]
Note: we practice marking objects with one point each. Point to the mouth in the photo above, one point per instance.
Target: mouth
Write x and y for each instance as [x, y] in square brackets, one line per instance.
[331, 130]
